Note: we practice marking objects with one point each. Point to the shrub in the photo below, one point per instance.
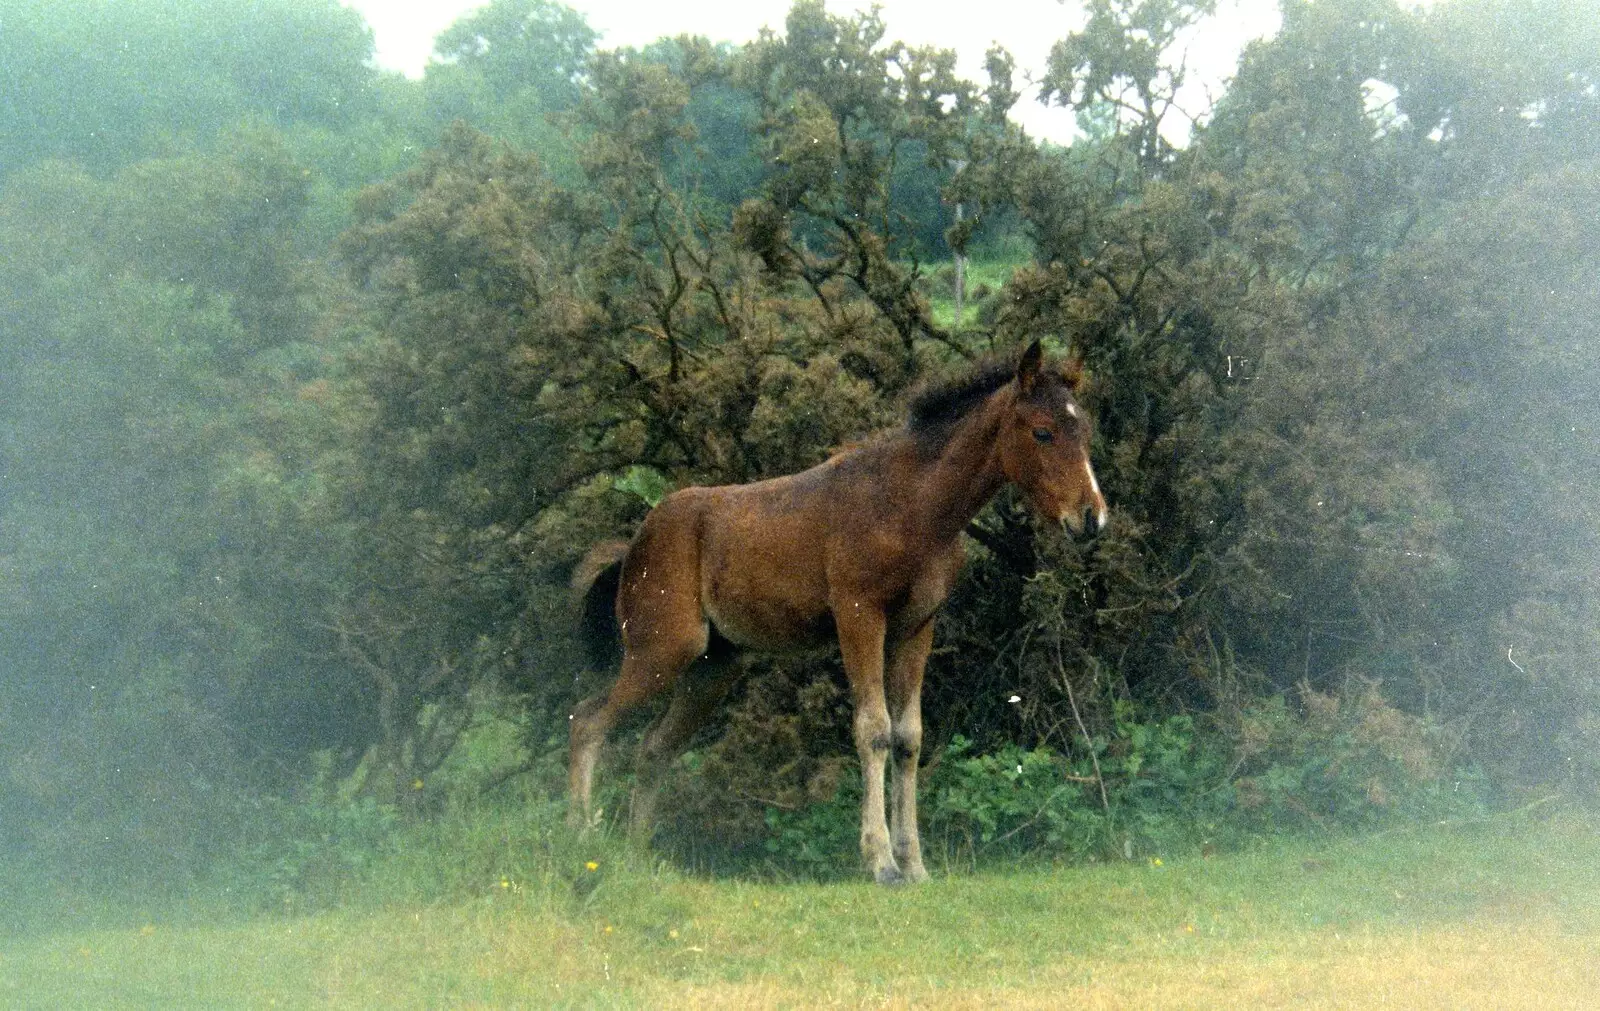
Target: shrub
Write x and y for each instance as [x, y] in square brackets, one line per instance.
[1013, 801]
[1163, 791]
[1343, 761]
[1150, 787]
[818, 840]
[300, 852]
[1162, 786]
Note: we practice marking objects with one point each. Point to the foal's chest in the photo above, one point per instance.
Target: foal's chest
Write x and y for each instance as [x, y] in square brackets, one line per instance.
[923, 593]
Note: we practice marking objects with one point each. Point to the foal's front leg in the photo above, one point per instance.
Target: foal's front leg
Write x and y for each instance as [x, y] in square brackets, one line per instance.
[861, 633]
[904, 682]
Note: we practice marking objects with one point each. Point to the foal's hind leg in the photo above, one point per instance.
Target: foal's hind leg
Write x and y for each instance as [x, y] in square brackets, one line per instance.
[591, 720]
[663, 631]
[588, 724]
[646, 672]
[697, 697]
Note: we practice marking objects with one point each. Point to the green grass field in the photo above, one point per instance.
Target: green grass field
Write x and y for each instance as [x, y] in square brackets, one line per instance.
[1501, 913]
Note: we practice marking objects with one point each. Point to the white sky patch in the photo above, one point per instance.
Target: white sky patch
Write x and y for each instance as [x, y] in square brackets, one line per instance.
[405, 29]
[1379, 97]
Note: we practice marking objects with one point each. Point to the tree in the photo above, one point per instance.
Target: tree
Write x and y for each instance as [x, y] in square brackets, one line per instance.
[1494, 92]
[160, 523]
[1123, 62]
[523, 45]
[839, 112]
[227, 223]
[516, 69]
[107, 83]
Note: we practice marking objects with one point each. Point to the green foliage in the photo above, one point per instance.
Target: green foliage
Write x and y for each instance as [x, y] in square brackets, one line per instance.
[1158, 787]
[1014, 801]
[819, 840]
[303, 852]
[226, 223]
[721, 162]
[515, 69]
[1350, 761]
[1120, 71]
[269, 496]
[647, 484]
[106, 83]
[1166, 787]
[839, 113]
[160, 520]
[523, 45]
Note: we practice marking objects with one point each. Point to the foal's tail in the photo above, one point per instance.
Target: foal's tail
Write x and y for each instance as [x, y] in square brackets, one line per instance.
[594, 591]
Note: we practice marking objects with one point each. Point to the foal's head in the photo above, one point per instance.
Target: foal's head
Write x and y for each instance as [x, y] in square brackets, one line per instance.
[1044, 445]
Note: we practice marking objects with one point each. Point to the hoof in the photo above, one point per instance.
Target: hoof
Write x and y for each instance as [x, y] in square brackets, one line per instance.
[915, 874]
[890, 876]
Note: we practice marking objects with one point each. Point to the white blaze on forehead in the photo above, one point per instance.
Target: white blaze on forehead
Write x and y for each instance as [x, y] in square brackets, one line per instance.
[1072, 409]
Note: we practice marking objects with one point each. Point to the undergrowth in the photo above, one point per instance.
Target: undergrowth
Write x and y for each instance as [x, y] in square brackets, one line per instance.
[1163, 788]
[1306, 765]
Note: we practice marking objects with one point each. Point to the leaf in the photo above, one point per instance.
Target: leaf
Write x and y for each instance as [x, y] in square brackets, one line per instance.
[647, 483]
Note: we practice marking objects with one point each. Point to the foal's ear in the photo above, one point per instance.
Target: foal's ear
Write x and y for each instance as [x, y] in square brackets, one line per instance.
[1072, 374]
[1028, 367]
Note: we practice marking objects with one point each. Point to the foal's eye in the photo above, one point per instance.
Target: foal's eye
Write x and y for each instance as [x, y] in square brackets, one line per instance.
[1043, 435]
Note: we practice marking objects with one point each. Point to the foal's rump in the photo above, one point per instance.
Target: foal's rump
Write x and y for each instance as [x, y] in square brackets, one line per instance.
[652, 583]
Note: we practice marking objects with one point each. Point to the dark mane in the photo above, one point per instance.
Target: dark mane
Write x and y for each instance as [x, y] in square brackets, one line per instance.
[936, 407]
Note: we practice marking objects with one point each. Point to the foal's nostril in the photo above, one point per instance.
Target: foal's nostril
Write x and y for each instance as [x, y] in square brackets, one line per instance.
[1092, 521]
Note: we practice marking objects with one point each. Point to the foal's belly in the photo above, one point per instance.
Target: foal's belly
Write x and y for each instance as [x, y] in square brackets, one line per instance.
[765, 604]
[782, 613]
[761, 578]
[769, 626]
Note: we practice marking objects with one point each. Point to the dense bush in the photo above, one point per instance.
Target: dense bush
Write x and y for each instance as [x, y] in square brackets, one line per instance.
[279, 510]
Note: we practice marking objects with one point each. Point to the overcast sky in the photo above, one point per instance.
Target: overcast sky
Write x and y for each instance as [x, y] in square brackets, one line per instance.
[405, 30]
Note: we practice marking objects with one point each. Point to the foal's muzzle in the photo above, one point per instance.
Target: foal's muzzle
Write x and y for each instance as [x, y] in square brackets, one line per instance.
[1086, 523]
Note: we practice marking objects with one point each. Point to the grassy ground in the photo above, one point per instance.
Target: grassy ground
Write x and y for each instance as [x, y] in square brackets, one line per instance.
[1502, 913]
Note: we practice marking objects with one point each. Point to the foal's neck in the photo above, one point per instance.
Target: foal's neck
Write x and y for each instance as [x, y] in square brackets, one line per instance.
[966, 471]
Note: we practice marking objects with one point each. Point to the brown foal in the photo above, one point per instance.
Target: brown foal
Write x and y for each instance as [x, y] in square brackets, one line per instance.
[862, 548]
